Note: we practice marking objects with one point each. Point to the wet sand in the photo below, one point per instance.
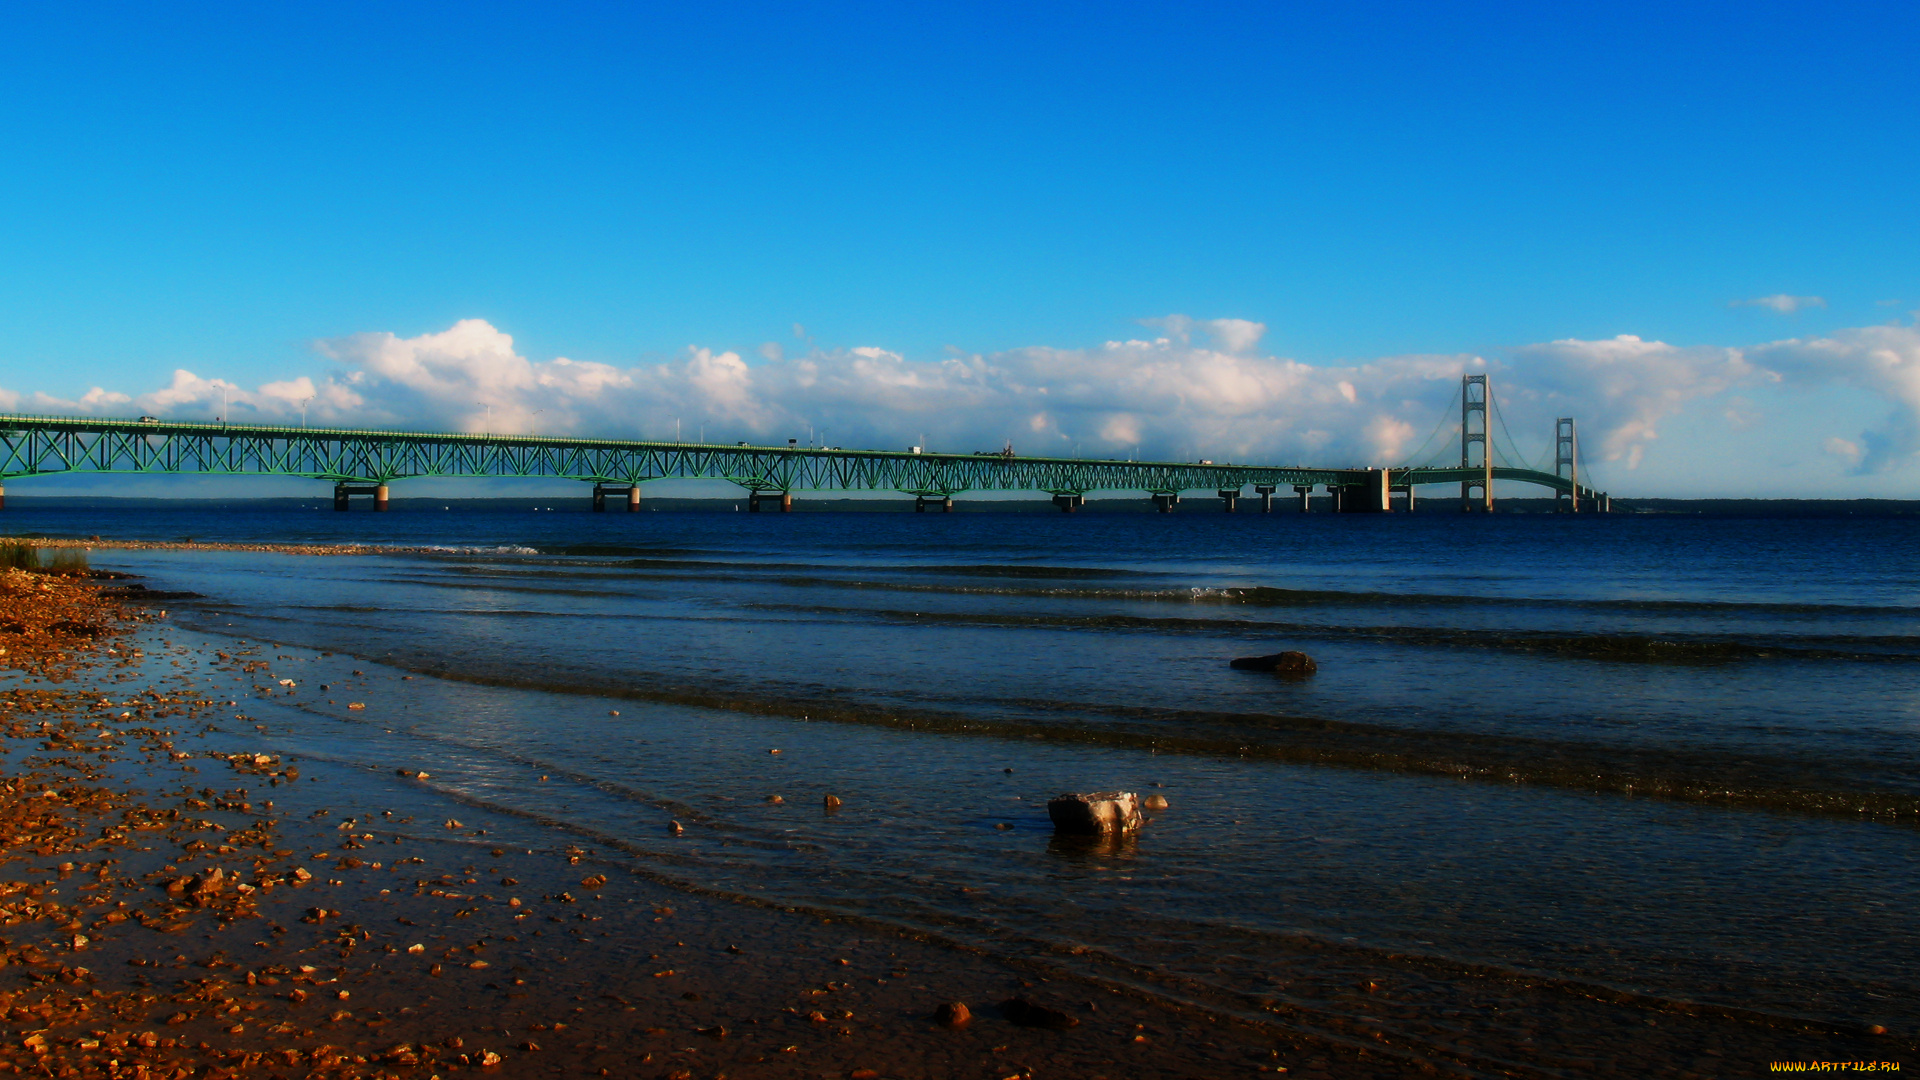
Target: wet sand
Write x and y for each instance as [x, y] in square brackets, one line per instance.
[173, 909]
[178, 900]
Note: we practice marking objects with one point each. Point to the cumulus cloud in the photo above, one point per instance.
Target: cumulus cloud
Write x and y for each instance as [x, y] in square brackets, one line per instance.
[1197, 389]
[1623, 387]
[1882, 360]
[1782, 304]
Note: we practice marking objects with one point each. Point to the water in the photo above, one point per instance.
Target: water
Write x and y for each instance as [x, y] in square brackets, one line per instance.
[1663, 756]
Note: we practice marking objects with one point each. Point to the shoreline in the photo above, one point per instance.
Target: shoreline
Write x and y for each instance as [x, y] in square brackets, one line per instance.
[604, 968]
[231, 931]
[68, 543]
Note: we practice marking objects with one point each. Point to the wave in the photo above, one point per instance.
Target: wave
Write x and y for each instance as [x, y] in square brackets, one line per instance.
[1735, 778]
[895, 578]
[1624, 648]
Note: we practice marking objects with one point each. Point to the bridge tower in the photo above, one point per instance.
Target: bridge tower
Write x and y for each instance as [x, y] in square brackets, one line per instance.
[1566, 461]
[1476, 397]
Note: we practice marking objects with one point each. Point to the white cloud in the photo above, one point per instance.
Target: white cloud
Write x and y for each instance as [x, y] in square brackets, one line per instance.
[1882, 360]
[1623, 387]
[1845, 449]
[1781, 303]
[1200, 390]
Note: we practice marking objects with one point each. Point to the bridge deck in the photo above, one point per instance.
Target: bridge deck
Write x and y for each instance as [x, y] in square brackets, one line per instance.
[48, 445]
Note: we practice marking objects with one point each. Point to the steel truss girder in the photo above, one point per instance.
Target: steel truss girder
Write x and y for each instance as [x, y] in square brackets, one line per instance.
[43, 445]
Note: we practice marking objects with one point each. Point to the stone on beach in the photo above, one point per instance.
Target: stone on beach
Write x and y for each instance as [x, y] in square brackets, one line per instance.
[1097, 814]
[953, 1014]
[1156, 802]
[1280, 663]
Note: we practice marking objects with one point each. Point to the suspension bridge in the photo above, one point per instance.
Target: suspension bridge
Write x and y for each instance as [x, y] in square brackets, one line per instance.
[368, 463]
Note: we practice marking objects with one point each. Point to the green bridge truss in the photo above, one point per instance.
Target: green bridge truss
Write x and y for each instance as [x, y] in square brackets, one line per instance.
[48, 445]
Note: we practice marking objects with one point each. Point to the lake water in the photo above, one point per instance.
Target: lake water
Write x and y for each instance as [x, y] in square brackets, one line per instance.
[1672, 757]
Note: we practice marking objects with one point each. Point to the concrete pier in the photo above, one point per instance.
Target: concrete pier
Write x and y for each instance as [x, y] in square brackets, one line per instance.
[786, 502]
[1266, 497]
[1165, 501]
[343, 495]
[601, 491]
[1365, 492]
[1305, 492]
[1228, 499]
[1069, 503]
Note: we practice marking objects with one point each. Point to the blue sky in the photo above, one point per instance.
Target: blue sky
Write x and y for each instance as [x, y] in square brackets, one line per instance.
[226, 189]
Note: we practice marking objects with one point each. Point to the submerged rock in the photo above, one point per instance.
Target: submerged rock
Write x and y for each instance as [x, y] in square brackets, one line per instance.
[1280, 663]
[1021, 1012]
[1156, 802]
[1096, 814]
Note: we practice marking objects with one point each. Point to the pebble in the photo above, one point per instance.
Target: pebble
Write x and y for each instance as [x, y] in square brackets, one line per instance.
[676, 828]
[953, 1013]
[833, 802]
[1156, 802]
[774, 800]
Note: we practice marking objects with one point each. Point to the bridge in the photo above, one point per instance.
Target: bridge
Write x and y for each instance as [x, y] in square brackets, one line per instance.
[368, 462]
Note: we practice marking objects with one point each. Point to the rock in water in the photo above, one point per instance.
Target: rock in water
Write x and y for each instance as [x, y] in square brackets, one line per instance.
[833, 802]
[1023, 1013]
[1099, 814]
[1156, 802]
[1280, 663]
[953, 1014]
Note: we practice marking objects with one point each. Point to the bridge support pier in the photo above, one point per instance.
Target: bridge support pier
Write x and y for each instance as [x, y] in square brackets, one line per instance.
[1228, 499]
[1068, 503]
[753, 502]
[1305, 492]
[786, 502]
[601, 491]
[3, 496]
[1369, 492]
[1408, 490]
[1165, 501]
[344, 493]
[1266, 498]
